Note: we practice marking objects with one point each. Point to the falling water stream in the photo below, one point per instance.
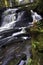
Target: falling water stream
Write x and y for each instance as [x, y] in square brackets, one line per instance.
[14, 37]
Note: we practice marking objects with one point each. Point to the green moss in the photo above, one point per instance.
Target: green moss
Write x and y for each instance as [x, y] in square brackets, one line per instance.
[29, 62]
[37, 43]
[14, 61]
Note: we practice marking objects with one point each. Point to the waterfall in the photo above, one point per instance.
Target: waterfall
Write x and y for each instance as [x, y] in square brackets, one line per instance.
[8, 16]
[11, 19]
[14, 32]
[36, 17]
[8, 19]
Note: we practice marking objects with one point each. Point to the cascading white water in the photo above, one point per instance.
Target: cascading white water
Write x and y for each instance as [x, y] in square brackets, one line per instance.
[36, 17]
[8, 16]
[21, 32]
[8, 19]
[20, 14]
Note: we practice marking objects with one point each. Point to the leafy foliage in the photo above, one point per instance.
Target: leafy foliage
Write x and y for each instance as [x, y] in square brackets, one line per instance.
[37, 43]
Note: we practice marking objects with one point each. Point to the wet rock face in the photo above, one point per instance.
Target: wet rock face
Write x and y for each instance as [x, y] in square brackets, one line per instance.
[1, 11]
[14, 39]
[24, 19]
